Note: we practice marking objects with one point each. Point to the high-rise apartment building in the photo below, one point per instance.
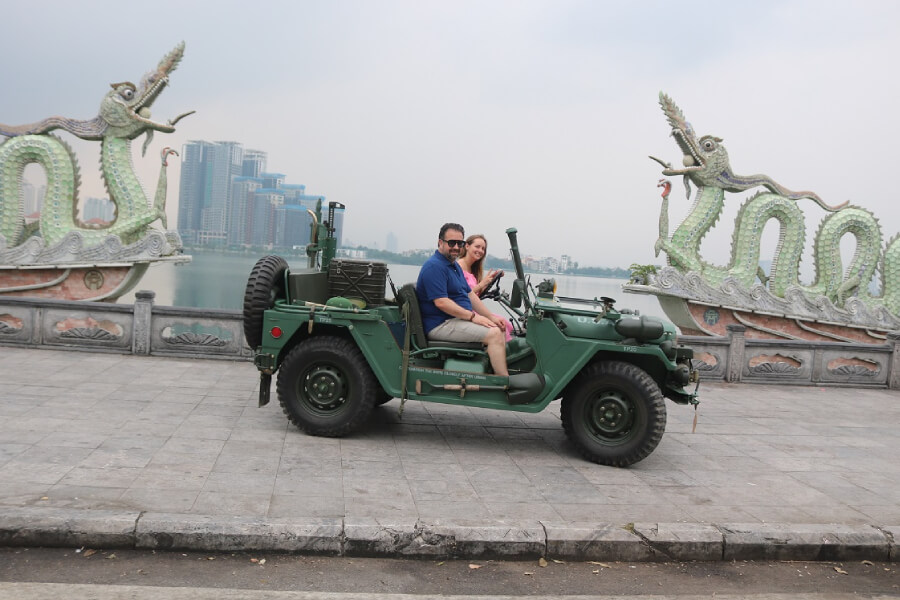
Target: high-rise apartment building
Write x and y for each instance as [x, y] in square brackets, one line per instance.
[226, 196]
[33, 198]
[204, 198]
[292, 226]
[254, 163]
[192, 192]
[242, 190]
[391, 244]
[261, 226]
[97, 211]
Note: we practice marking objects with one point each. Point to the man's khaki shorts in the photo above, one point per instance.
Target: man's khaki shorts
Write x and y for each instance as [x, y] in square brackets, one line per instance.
[458, 330]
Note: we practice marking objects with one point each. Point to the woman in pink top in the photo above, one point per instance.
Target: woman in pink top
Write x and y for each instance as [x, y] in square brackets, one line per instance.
[471, 260]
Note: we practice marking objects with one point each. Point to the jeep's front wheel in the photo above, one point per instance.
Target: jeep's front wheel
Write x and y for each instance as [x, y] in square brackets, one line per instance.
[264, 285]
[614, 413]
[325, 386]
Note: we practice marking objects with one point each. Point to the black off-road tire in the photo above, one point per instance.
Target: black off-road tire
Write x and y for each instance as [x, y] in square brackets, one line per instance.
[614, 413]
[325, 386]
[264, 286]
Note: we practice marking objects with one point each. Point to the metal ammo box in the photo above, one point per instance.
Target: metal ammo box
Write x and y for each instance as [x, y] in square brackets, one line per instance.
[363, 279]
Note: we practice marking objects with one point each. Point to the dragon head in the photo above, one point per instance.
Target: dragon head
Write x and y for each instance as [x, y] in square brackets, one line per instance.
[706, 162]
[126, 109]
[705, 159]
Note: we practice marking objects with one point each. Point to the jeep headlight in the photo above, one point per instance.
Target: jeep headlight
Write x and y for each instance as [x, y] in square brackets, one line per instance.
[681, 375]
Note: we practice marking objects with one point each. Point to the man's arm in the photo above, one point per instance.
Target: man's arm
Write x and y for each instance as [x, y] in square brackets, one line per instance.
[453, 309]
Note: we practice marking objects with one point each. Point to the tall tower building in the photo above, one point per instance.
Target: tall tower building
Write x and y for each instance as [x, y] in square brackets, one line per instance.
[204, 198]
[242, 189]
[263, 205]
[226, 160]
[97, 211]
[193, 194]
[254, 163]
[391, 243]
[292, 226]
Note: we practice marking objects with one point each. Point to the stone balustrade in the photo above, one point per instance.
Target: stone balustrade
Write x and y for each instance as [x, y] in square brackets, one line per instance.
[141, 328]
[144, 328]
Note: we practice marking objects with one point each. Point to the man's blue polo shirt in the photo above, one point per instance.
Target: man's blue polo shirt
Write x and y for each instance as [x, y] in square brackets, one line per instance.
[440, 278]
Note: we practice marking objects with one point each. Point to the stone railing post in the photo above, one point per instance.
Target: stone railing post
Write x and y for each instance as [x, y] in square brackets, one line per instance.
[140, 331]
[734, 366]
[893, 340]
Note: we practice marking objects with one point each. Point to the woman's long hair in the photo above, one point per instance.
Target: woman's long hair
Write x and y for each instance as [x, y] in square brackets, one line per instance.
[477, 266]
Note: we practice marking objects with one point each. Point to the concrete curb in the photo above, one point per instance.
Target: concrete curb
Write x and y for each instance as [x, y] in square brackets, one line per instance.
[373, 537]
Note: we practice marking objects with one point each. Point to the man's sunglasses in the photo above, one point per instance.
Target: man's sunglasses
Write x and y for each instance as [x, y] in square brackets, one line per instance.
[458, 243]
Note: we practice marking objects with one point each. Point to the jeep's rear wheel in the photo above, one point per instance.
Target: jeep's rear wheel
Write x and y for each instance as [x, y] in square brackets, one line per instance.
[325, 386]
[614, 413]
[264, 286]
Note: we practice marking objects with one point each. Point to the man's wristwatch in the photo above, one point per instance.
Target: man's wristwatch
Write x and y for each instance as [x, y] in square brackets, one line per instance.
[472, 318]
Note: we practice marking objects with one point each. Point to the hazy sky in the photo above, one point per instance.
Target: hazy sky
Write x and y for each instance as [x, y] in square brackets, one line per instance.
[533, 114]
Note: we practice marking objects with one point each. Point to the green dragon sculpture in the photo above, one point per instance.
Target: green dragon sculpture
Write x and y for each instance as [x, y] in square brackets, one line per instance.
[124, 115]
[706, 164]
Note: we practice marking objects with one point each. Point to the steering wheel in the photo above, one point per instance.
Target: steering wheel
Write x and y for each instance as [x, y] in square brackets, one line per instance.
[493, 290]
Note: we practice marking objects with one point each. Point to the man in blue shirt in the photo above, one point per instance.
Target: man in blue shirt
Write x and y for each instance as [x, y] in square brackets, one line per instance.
[451, 312]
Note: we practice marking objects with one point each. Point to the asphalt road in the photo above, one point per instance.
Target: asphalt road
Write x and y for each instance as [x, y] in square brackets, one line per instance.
[32, 572]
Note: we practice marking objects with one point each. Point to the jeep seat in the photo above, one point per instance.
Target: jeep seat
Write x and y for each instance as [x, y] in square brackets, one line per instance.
[407, 296]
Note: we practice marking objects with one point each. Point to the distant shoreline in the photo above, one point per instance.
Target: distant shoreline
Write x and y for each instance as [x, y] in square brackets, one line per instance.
[417, 261]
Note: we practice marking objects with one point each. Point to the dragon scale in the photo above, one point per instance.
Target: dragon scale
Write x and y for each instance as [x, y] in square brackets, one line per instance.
[706, 165]
[62, 177]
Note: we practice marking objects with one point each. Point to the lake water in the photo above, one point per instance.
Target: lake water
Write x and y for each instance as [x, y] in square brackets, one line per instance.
[214, 280]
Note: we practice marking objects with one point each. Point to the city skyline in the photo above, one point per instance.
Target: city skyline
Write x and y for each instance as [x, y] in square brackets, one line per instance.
[227, 197]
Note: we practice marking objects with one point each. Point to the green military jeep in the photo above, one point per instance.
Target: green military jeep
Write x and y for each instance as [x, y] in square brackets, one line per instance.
[340, 348]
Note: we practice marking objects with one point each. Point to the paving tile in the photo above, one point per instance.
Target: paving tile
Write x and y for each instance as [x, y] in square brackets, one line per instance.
[231, 504]
[382, 508]
[715, 513]
[372, 468]
[8, 451]
[450, 472]
[83, 497]
[460, 510]
[308, 467]
[376, 488]
[507, 492]
[22, 493]
[103, 458]
[120, 477]
[429, 490]
[247, 464]
[68, 439]
[296, 507]
[881, 514]
[523, 511]
[20, 471]
[331, 486]
[159, 499]
[171, 477]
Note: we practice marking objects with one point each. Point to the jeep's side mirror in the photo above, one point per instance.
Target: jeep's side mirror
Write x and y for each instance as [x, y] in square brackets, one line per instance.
[515, 297]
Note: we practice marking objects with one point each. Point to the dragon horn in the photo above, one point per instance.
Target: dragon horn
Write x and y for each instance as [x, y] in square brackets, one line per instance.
[170, 61]
[673, 113]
